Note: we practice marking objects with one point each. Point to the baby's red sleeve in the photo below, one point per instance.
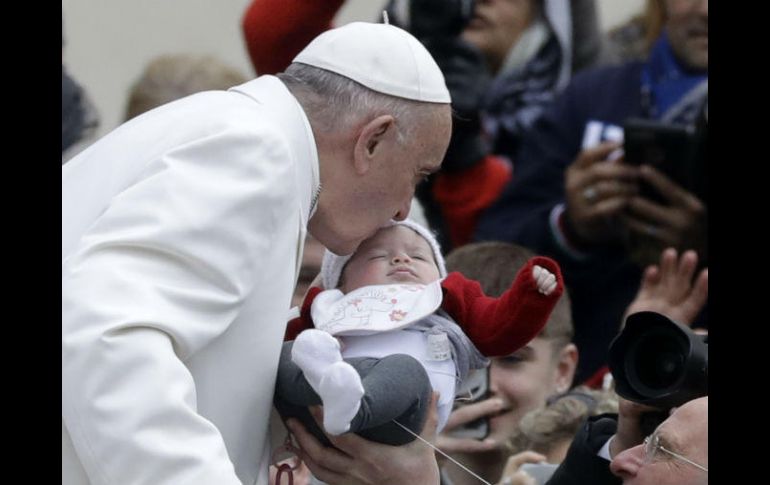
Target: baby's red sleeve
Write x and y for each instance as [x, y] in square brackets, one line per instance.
[303, 321]
[500, 326]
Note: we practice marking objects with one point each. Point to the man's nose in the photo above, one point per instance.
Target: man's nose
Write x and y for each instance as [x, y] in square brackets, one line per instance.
[403, 212]
[627, 463]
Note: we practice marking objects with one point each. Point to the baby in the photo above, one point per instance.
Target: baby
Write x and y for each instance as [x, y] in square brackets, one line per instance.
[392, 327]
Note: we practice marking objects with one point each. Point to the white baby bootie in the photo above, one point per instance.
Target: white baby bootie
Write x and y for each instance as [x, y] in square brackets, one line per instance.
[336, 382]
[341, 391]
[314, 351]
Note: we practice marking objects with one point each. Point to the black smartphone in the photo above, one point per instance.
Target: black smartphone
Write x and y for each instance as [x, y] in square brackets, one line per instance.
[675, 150]
[474, 388]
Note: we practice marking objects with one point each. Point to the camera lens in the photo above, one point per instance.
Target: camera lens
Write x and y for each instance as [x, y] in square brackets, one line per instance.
[656, 363]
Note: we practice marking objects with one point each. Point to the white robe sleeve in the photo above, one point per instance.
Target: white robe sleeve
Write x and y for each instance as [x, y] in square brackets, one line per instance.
[161, 273]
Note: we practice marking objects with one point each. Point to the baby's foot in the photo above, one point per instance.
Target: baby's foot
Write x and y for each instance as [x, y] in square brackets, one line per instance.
[341, 391]
[546, 281]
[314, 351]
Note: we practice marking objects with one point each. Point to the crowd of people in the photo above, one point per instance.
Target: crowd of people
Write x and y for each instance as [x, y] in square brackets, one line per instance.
[294, 278]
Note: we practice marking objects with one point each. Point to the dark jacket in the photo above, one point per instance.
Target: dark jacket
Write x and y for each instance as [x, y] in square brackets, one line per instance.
[582, 465]
[603, 284]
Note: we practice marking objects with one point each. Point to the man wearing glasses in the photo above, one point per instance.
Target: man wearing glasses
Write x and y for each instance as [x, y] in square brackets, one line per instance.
[611, 451]
[676, 453]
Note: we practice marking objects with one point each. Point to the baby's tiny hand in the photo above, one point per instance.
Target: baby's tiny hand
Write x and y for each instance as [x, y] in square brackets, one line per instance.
[546, 281]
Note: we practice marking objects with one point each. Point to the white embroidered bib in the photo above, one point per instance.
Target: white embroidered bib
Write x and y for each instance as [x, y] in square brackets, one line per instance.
[376, 308]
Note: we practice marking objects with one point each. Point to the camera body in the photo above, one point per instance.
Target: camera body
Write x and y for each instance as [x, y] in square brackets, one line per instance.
[658, 362]
[431, 18]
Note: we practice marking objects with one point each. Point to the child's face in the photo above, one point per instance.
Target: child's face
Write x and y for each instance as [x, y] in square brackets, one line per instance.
[523, 380]
[395, 254]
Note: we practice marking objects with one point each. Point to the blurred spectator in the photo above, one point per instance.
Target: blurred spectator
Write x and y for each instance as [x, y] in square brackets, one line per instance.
[633, 39]
[507, 65]
[79, 118]
[568, 201]
[173, 76]
[545, 434]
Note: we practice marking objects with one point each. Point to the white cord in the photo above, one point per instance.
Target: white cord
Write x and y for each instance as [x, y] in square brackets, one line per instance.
[385, 19]
[442, 453]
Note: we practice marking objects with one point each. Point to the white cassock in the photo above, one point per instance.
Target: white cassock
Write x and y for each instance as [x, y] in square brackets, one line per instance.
[182, 236]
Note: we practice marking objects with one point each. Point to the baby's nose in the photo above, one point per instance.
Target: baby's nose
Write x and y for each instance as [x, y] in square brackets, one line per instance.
[401, 258]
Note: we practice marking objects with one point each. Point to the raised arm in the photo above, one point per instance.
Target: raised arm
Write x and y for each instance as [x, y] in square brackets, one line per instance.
[499, 326]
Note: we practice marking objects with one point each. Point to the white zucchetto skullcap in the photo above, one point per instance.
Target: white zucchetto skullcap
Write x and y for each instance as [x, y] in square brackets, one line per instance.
[382, 57]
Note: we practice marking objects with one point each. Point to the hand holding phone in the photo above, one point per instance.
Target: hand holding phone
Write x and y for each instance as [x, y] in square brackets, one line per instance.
[674, 150]
[475, 388]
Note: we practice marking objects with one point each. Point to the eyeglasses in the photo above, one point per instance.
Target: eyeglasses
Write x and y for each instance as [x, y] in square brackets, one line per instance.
[652, 446]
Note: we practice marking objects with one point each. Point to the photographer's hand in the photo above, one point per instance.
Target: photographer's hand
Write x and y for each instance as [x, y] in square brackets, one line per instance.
[629, 432]
[680, 223]
[668, 288]
[597, 192]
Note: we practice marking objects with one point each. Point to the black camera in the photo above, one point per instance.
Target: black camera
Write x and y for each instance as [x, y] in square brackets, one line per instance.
[431, 18]
[658, 362]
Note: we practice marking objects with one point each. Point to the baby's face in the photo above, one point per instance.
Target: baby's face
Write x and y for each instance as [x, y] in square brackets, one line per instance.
[394, 254]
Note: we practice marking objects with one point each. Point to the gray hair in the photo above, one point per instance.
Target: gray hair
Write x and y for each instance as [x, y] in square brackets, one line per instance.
[337, 102]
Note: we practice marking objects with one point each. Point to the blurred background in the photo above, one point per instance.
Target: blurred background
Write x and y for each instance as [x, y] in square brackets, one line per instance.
[109, 43]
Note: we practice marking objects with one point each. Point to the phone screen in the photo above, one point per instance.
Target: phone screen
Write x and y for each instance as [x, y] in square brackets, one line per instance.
[672, 149]
[474, 388]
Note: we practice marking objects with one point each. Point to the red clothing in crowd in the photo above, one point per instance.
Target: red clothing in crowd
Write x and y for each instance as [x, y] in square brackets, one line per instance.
[275, 31]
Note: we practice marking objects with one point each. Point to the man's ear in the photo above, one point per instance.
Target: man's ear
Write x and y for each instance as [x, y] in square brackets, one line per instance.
[370, 141]
[565, 367]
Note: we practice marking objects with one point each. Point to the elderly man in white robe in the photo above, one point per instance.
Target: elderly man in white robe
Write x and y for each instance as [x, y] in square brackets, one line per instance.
[182, 236]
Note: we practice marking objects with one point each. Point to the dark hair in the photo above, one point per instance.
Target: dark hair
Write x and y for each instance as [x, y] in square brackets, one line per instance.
[494, 265]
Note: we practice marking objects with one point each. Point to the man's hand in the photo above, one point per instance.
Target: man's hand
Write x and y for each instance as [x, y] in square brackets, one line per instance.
[357, 461]
[597, 192]
[465, 414]
[511, 474]
[668, 288]
[680, 222]
[629, 433]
